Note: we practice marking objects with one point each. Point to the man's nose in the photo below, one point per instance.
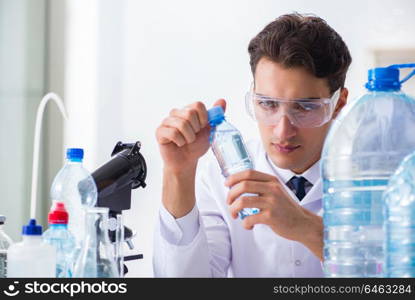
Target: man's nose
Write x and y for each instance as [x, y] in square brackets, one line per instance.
[284, 130]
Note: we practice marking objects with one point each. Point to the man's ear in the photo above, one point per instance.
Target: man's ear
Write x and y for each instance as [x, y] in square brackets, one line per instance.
[344, 92]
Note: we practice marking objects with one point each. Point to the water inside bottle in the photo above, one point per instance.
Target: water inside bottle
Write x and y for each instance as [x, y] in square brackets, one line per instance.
[353, 234]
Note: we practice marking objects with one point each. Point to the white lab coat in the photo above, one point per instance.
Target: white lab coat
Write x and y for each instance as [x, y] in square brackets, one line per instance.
[218, 246]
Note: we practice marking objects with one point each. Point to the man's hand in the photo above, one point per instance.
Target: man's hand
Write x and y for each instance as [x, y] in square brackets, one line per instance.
[183, 137]
[284, 216]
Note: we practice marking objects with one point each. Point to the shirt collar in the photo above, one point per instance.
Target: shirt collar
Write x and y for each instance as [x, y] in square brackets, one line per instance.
[312, 174]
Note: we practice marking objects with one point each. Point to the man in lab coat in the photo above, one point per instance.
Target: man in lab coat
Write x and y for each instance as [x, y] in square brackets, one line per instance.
[299, 66]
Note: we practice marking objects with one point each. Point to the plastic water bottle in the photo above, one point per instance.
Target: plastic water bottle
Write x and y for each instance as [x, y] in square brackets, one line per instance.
[362, 150]
[62, 239]
[229, 148]
[399, 224]
[5, 242]
[31, 257]
[75, 187]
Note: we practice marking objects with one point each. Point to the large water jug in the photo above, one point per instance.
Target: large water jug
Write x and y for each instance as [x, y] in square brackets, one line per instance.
[363, 148]
[399, 223]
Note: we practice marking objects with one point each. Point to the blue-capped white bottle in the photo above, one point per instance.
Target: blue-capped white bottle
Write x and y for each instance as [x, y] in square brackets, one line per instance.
[31, 257]
[399, 224]
[75, 187]
[229, 148]
[362, 150]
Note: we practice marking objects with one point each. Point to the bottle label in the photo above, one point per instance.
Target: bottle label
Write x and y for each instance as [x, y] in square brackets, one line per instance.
[233, 151]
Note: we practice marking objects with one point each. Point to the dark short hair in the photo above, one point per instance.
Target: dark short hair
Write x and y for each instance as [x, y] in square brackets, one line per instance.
[296, 40]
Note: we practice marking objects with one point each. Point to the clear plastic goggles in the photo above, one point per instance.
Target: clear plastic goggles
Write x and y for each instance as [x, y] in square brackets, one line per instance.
[303, 113]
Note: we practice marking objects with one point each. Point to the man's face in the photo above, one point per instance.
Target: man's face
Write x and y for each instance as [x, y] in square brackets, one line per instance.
[288, 146]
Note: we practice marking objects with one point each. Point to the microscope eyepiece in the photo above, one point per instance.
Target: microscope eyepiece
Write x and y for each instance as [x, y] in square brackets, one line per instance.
[126, 170]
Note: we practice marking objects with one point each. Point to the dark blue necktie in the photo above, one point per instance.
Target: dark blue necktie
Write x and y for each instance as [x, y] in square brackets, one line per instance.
[298, 184]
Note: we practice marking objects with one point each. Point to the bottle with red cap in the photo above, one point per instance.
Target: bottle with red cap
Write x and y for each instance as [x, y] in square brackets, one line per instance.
[62, 239]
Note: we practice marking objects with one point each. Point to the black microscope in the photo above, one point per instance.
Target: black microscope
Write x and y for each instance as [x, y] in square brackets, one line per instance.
[126, 170]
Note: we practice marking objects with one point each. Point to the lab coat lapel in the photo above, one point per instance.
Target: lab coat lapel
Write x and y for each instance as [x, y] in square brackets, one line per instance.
[316, 193]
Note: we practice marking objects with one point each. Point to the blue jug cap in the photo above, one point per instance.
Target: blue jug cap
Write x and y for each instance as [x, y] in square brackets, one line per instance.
[75, 154]
[32, 228]
[383, 79]
[216, 115]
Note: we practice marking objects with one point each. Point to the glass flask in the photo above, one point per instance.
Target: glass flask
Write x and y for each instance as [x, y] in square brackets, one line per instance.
[118, 245]
[96, 258]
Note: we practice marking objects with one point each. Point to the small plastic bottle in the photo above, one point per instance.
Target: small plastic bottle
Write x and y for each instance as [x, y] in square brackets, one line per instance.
[5, 242]
[229, 148]
[31, 257]
[62, 239]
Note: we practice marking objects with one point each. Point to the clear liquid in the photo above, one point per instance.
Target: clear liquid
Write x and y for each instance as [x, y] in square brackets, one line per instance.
[353, 227]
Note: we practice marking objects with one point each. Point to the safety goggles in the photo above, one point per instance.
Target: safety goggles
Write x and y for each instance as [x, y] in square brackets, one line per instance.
[302, 113]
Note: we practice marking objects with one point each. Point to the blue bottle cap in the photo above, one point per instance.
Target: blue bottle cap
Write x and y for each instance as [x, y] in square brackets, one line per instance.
[383, 79]
[75, 154]
[215, 115]
[32, 228]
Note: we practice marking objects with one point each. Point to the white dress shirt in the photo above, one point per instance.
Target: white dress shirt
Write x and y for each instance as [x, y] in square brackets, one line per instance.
[207, 242]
